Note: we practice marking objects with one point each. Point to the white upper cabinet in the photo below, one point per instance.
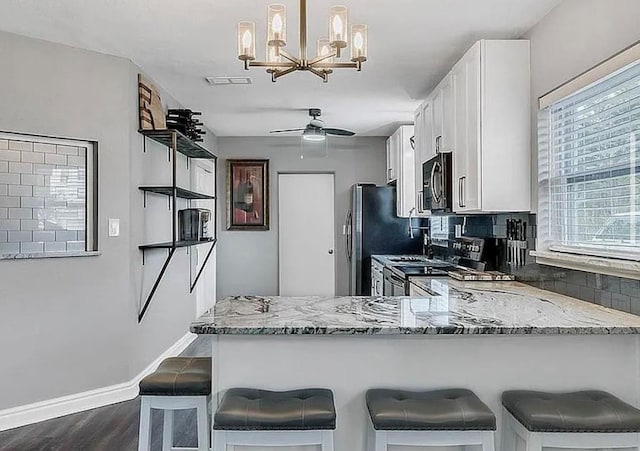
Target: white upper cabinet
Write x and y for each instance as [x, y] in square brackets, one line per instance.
[492, 128]
[400, 150]
[424, 150]
[393, 159]
[442, 139]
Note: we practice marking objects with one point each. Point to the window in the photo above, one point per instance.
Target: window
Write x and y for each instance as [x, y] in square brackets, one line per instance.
[589, 168]
[47, 196]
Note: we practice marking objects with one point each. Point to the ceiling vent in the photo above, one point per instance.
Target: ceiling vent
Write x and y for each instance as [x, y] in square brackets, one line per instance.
[220, 81]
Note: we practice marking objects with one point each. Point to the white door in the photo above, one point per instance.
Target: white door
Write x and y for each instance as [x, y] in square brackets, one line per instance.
[203, 181]
[306, 234]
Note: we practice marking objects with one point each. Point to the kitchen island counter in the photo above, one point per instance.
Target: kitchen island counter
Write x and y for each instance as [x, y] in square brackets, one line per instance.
[488, 337]
[450, 307]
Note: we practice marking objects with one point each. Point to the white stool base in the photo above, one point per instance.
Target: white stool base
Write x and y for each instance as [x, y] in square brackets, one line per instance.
[222, 439]
[169, 404]
[535, 441]
[381, 440]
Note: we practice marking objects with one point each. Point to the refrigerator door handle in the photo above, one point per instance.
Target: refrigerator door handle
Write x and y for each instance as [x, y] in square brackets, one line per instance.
[347, 224]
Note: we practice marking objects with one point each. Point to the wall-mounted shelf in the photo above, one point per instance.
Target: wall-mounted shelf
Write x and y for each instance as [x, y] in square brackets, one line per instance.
[184, 145]
[177, 143]
[180, 192]
[172, 245]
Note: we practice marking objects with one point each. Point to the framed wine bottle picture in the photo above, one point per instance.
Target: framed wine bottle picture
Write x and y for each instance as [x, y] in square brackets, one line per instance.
[247, 194]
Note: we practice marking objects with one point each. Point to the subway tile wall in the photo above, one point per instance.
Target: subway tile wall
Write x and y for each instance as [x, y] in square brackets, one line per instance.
[42, 197]
[614, 292]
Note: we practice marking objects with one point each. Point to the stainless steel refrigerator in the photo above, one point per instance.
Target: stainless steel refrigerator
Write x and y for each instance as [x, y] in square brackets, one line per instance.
[373, 228]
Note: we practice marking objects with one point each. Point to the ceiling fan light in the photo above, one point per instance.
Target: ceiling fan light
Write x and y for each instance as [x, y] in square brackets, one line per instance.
[314, 134]
[246, 41]
[276, 25]
[338, 26]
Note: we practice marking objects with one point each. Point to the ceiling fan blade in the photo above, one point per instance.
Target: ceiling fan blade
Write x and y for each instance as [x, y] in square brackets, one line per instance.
[338, 132]
[288, 131]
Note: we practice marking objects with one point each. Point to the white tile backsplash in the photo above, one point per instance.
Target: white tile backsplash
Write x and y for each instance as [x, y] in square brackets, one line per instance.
[18, 236]
[20, 190]
[42, 197]
[20, 145]
[32, 157]
[26, 248]
[9, 248]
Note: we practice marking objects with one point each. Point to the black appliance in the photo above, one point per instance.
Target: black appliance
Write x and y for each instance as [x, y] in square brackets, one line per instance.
[396, 278]
[194, 224]
[437, 181]
[372, 227]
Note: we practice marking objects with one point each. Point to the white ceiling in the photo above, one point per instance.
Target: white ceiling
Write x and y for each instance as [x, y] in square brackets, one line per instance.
[412, 43]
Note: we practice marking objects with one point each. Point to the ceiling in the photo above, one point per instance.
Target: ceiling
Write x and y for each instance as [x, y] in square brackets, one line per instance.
[412, 44]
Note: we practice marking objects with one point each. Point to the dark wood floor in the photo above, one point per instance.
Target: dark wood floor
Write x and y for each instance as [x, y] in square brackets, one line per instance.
[109, 428]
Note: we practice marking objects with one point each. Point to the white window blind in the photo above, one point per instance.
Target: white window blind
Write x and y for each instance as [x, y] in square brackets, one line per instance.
[589, 168]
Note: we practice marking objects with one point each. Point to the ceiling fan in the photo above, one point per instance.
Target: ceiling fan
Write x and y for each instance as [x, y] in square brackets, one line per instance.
[315, 129]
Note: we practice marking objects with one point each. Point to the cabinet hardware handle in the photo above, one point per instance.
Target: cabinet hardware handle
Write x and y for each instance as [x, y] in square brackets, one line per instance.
[460, 192]
[463, 184]
[438, 139]
[420, 202]
[389, 174]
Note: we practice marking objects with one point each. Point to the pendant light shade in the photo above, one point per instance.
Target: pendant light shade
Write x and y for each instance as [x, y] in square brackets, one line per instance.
[247, 41]
[338, 26]
[324, 50]
[359, 43]
[276, 25]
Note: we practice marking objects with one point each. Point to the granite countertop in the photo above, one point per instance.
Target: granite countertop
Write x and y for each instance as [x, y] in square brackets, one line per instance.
[452, 307]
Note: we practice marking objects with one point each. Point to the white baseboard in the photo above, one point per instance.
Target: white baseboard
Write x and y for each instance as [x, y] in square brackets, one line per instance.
[65, 405]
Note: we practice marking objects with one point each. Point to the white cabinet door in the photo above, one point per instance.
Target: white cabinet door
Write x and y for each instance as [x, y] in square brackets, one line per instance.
[393, 157]
[466, 160]
[405, 186]
[423, 152]
[442, 114]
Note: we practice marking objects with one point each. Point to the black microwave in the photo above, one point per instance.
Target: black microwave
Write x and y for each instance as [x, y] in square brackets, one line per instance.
[437, 183]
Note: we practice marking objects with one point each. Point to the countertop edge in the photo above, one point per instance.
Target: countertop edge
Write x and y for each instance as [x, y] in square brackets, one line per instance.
[212, 330]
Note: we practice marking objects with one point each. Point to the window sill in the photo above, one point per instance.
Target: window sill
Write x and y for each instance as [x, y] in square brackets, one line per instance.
[600, 265]
[36, 255]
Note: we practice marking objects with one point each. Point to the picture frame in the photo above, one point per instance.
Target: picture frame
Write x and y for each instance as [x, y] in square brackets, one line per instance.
[247, 190]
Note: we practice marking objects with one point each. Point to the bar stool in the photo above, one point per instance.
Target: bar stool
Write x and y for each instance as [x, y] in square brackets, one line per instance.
[584, 419]
[178, 383]
[428, 418]
[252, 417]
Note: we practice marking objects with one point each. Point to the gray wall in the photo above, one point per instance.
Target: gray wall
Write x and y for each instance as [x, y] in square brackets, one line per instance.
[249, 260]
[74, 320]
[573, 37]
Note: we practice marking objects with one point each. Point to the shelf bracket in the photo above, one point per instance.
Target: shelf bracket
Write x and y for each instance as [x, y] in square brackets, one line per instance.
[155, 285]
[204, 264]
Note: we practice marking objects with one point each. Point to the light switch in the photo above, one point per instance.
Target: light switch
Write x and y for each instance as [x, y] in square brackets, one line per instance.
[114, 227]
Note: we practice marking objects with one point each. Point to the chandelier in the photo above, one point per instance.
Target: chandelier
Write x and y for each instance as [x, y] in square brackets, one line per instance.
[279, 63]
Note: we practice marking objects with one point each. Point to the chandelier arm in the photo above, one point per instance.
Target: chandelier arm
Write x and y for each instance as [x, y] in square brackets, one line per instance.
[336, 65]
[281, 73]
[271, 65]
[319, 73]
[319, 59]
[291, 58]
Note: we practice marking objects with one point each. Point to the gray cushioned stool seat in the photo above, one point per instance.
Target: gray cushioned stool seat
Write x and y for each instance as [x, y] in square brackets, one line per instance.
[583, 411]
[249, 409]
[179, 376]
[439, 410]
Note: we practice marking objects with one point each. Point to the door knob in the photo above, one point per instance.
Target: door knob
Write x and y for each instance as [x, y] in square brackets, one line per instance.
[330, 251]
